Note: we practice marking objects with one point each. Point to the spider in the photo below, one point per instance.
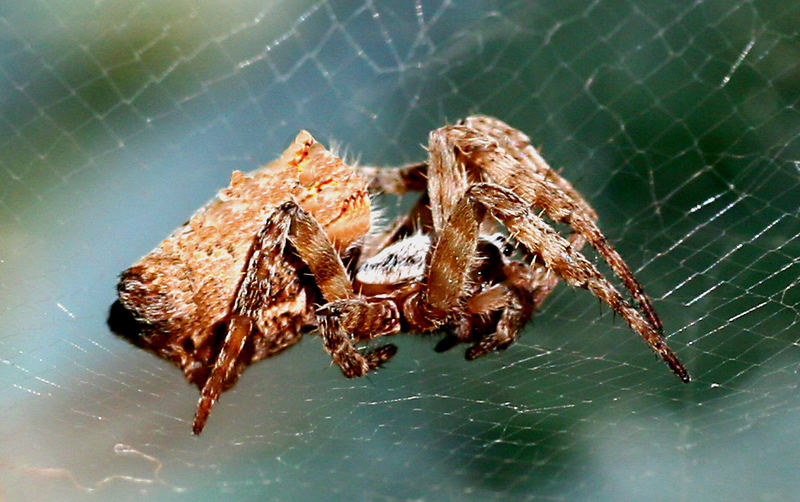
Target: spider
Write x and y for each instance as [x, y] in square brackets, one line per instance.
[262, 262]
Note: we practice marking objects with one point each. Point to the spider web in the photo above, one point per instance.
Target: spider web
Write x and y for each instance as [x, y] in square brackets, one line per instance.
[678, 121]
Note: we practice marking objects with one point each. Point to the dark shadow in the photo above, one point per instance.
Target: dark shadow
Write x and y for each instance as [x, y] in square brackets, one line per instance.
[121, 322]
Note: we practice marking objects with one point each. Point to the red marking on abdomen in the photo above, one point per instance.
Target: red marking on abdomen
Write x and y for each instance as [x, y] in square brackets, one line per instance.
[301, 154]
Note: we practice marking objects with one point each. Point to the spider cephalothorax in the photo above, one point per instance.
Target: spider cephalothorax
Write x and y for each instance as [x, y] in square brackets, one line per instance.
[245, 275]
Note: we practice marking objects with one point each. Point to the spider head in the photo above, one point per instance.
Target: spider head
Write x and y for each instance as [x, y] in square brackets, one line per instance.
[330, 190]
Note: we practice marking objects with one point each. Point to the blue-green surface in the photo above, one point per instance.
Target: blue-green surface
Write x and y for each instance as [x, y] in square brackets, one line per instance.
[678, 121]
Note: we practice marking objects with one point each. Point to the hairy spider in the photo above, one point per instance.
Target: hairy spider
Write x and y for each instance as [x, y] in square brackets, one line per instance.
[241, 280]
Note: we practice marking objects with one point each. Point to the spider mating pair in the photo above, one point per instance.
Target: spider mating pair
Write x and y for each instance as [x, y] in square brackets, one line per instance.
[264, 261]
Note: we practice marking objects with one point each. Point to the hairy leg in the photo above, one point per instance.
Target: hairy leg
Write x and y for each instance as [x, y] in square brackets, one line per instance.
[396, 180]
[341, 321]
[520, 285]
[345, 316]
[517, 165]
[288, 223]
[518, 144]
[265, 251]
[555, 251]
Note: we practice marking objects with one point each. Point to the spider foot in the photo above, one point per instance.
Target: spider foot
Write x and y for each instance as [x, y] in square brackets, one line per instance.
[377, 357]
[343, 321]
[447, 343]
[488, 344]
[355, 364]
[465, 330]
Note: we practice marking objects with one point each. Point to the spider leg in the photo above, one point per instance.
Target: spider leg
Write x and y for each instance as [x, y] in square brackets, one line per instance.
[517, 309]
[395, 180]
[447, 276]
[266, 249]
[546, 281]
[562, 209]
[531, 178]
[556, 253]
[344, 314]
[519, 296]
[447, 177]
[479, 311]
[288, 223]
[518, 144]
[516, 314]
[342, 320]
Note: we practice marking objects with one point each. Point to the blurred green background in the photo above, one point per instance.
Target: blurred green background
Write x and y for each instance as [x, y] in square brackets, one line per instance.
[678, 121]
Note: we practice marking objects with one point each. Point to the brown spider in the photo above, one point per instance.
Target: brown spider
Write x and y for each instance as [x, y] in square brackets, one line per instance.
[239, 281]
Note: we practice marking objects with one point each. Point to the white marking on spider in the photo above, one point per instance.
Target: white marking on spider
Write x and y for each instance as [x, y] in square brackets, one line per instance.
[402, 261]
